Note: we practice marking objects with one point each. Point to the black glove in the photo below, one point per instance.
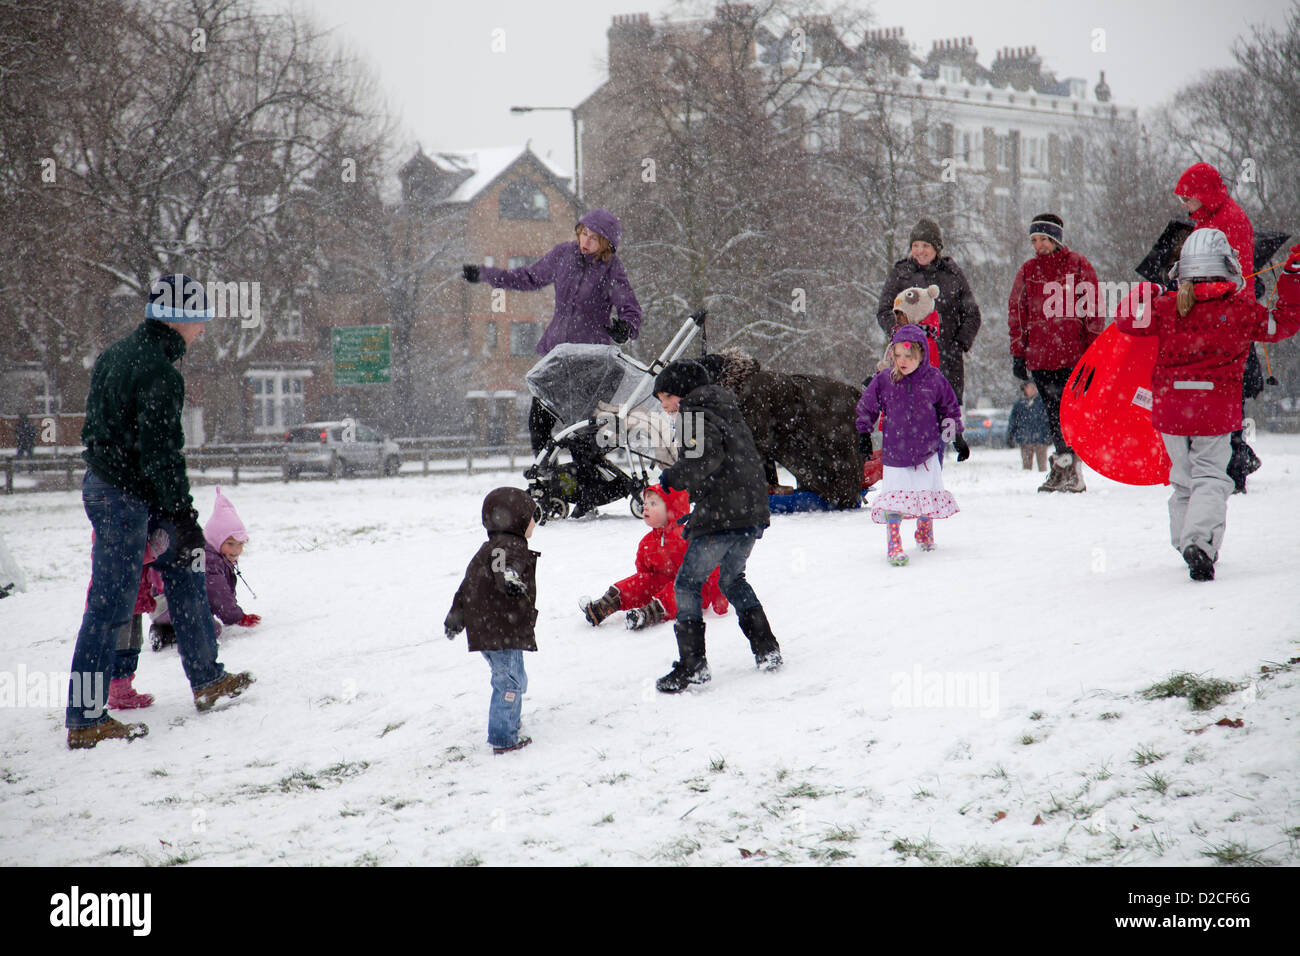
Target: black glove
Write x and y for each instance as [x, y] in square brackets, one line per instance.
[451, 635]
[470, 272]
[1018, 369]
[619, 331]
[190, 542]
[963, 449]
[864, 444]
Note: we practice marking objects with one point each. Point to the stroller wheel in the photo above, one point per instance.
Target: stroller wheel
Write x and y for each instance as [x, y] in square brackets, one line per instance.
[636, 504]
[552, 509]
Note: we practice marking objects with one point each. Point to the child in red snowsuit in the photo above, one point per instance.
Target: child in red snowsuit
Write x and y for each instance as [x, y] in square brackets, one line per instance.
[647, 596]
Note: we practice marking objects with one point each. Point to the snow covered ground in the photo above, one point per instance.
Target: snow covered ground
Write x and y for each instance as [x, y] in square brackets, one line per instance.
[982, 705]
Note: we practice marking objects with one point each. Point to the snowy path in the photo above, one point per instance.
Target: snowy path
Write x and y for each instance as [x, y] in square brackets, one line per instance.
[362, 741]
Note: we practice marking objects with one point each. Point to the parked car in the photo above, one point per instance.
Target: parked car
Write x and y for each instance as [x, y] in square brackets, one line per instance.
[987, 426]
[339, 449]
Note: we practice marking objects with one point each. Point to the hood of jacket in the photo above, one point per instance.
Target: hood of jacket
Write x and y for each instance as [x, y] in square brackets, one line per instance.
[1202, 181]
[677, 502]
[508, 510]
[224, 523]
[913, 333]
[605, 223]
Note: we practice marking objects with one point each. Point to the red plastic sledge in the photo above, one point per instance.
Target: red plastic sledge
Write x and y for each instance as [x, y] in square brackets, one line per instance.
[1106, 410]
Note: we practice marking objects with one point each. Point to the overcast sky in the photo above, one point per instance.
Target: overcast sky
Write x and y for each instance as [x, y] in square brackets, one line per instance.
[436, 62]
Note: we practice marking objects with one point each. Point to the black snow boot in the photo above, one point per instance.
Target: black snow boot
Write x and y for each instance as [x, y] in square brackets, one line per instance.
[161, 635]
[692, 668]
[596, 611]
[767, 653]
[1200, 566]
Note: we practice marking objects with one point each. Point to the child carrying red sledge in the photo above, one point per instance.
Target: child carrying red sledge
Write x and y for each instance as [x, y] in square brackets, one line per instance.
[1205, 330]
[647, 596]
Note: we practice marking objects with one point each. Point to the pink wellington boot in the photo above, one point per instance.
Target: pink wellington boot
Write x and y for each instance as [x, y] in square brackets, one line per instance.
[122, 696]
[925, 533]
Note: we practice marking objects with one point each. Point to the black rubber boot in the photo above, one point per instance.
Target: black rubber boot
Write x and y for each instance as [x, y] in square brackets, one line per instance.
[1200, 566]
[692, 668]
[161, 635]
[767, 653]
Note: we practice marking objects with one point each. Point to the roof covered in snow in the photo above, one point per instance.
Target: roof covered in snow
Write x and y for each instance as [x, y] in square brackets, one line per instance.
[483, 166]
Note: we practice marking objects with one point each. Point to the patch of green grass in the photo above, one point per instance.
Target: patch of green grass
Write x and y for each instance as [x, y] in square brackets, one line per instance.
[1157, 782]
[829, 854]
[301, 780]
[1036, 715]
[998, 773]
[983, 856]
[1028, 739]
[717, 764]
[1103, 772]
[367, 859]
[921, 794]
[1144, 756]
[840, 835]
[1108, 715]
[1234, 854]
[351, 812]
[158, 772]
[805, 789]
[1201, 693]
[679, 849]
[923, 850]
[1195, 755]
[395, 803]
[469, 859]
[698, 784]
[454, 754]
[781, 774]
[615, 777]
[607, 818]
[391, 727]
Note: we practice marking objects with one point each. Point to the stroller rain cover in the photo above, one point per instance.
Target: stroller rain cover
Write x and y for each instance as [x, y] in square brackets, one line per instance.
[581, 382]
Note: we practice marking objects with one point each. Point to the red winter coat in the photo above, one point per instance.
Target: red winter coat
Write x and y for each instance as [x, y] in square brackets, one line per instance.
[1196, 384]
[1063, 283]
[1218, 211]
[658, 557]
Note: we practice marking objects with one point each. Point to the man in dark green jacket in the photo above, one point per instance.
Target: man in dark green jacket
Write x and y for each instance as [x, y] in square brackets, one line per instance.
[719, 465]
[136, 491]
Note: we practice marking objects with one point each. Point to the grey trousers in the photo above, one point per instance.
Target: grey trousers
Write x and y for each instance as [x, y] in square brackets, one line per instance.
[1198, 507]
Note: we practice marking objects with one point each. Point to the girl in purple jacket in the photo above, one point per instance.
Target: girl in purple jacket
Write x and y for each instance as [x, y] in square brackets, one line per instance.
[589, 281]
[921, 415]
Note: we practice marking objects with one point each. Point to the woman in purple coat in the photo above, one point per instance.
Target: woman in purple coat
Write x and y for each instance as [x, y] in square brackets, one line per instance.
[589, 281]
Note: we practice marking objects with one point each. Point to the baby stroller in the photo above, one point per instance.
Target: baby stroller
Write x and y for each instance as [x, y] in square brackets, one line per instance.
[601, 396]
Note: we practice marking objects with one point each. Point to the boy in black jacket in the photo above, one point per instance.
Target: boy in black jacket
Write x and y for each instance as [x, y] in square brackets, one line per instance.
[497, 603]
[720, 466]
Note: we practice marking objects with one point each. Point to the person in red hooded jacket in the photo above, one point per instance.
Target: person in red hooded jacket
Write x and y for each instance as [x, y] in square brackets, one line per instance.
[1205, 330]
[1205, 197]
[647, 596]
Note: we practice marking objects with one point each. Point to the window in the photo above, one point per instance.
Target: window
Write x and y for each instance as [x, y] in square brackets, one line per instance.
[489, 261]
[524, 337]
[966, 150]
[289, 326]
[1004, 151]
[515, 262]
[28, 393]
[521, 199]
[277, 400]
[490, 338]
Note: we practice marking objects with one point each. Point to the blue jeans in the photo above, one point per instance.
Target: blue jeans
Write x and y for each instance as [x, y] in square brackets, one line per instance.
[509, 682]
[726, 550]
[123, 524]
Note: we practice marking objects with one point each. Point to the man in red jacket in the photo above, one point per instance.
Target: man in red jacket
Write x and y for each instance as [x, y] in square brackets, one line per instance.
[1053, 316]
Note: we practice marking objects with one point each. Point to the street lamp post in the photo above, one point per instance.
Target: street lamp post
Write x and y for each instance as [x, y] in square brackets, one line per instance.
[573, 113]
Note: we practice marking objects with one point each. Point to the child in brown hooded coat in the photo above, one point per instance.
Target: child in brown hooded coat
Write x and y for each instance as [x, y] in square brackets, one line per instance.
[497, 604]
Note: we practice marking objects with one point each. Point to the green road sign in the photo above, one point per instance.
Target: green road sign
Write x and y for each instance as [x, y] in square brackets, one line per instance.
[362, 355]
